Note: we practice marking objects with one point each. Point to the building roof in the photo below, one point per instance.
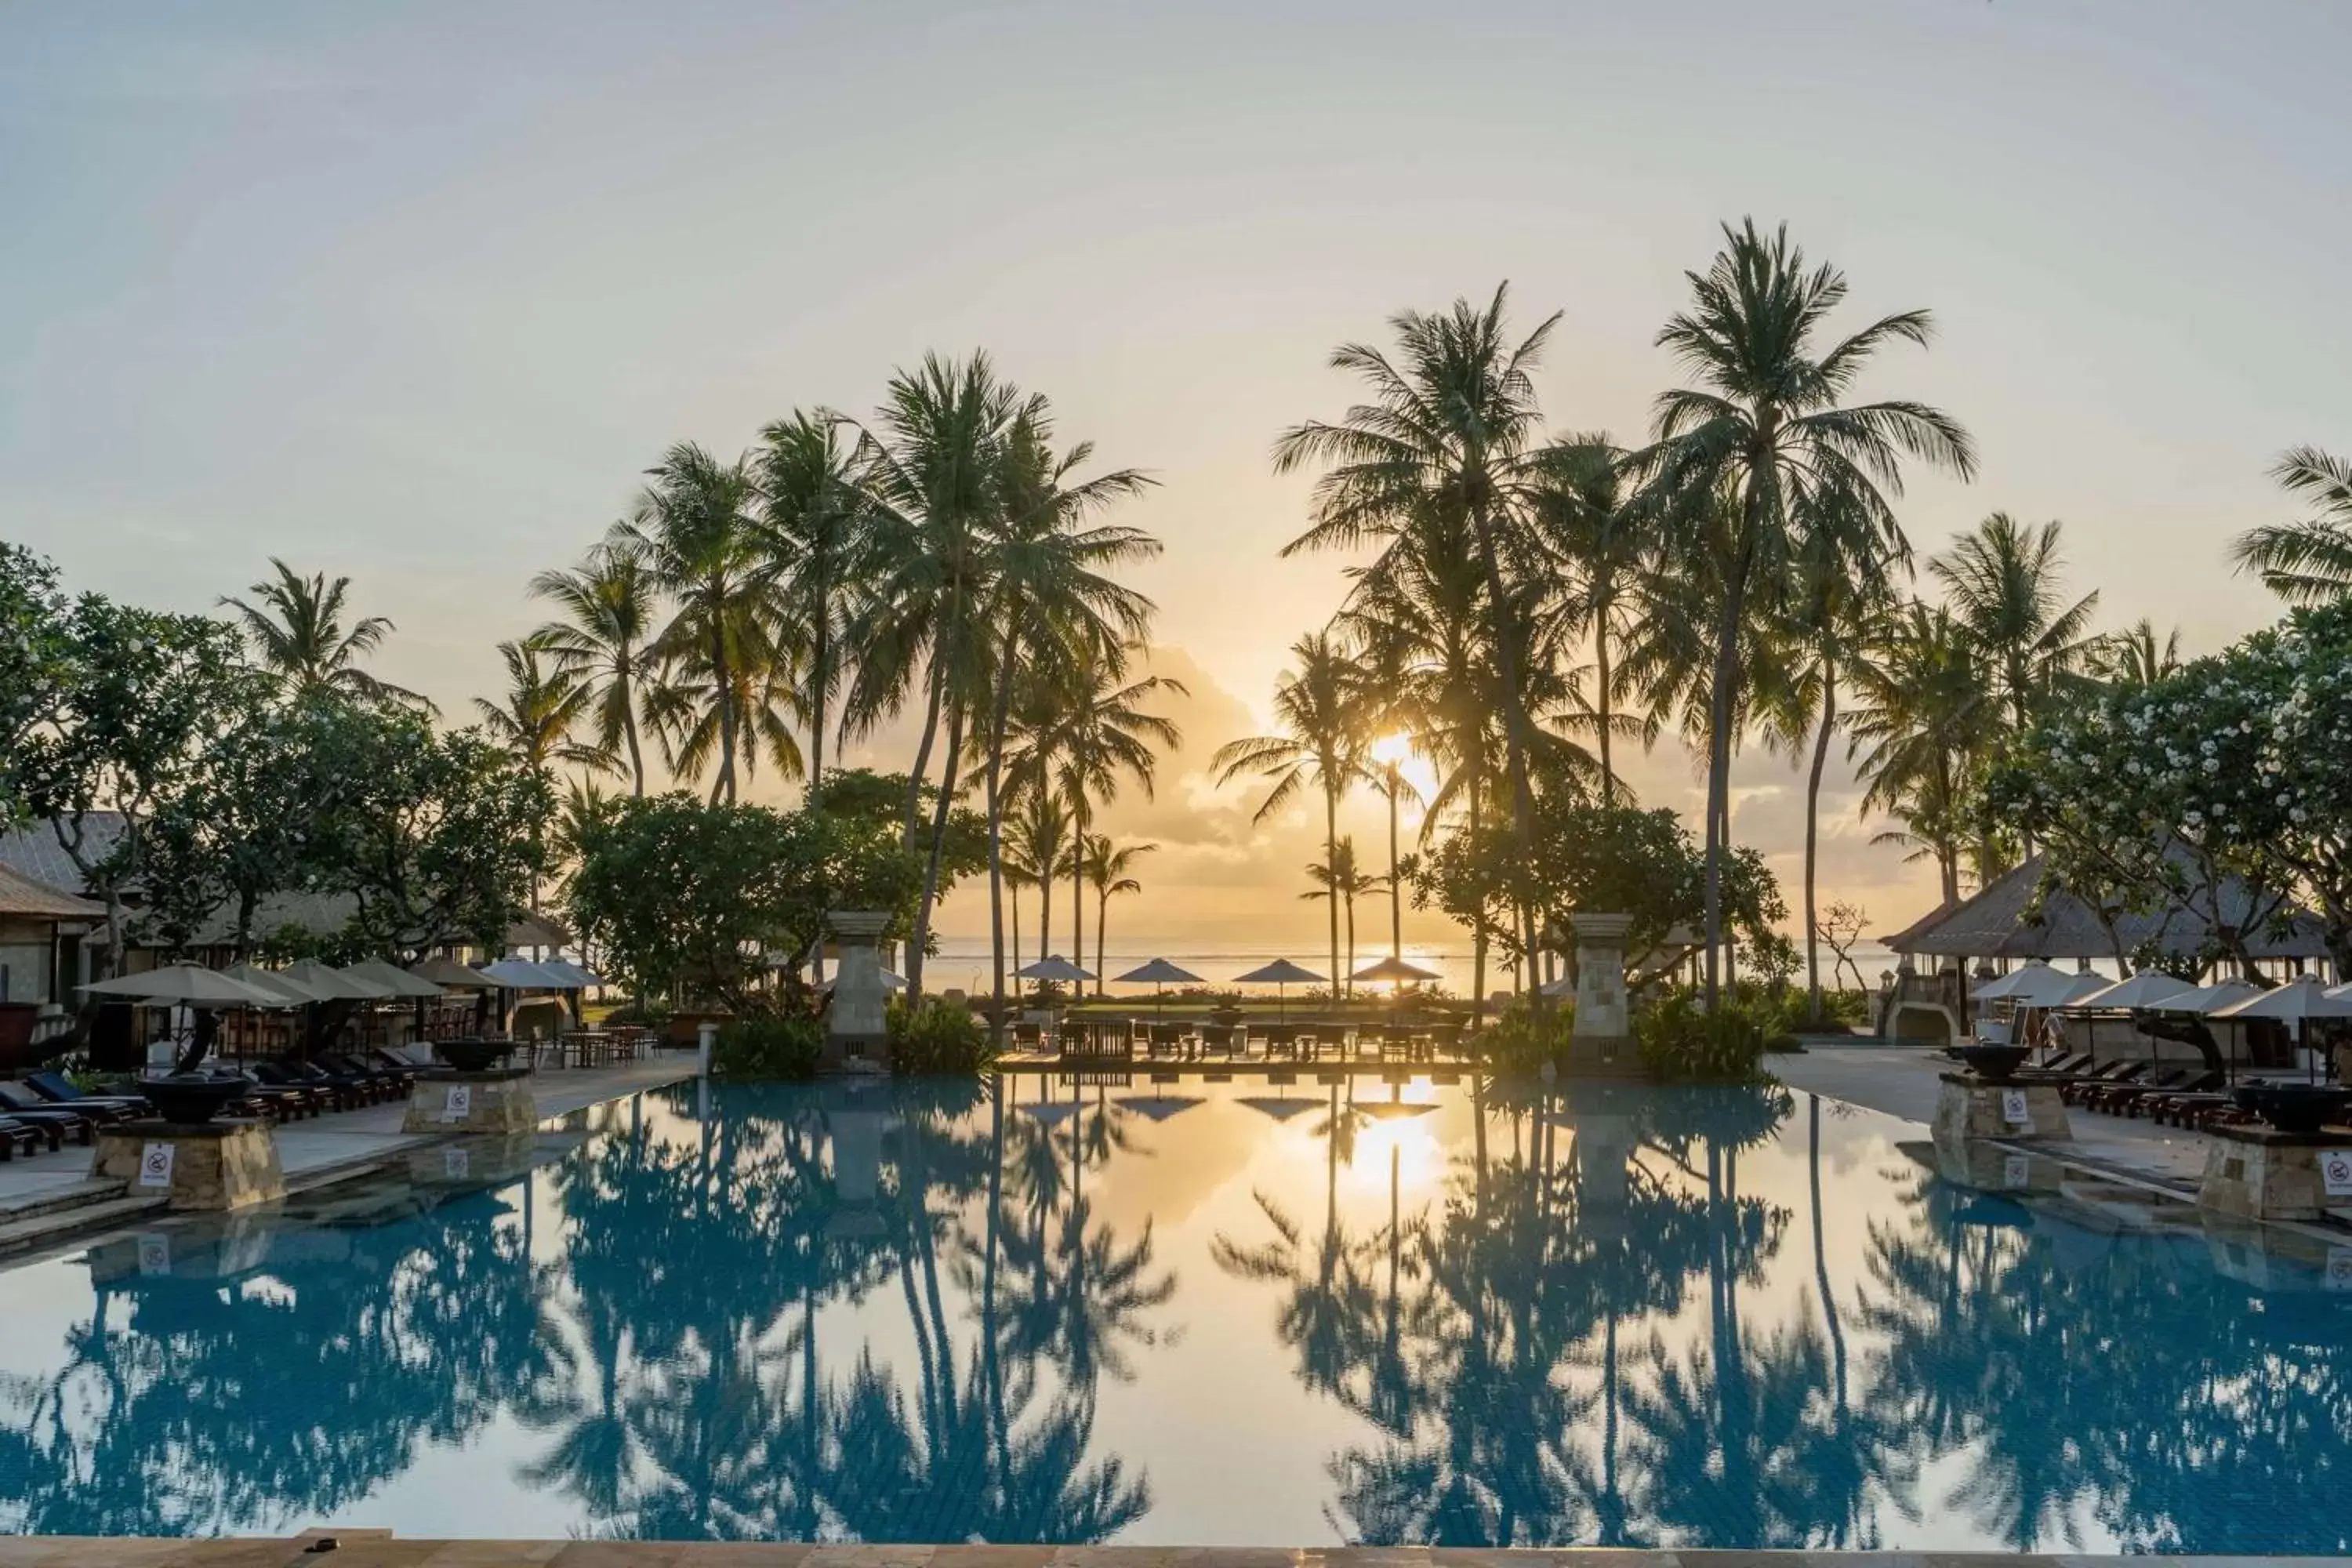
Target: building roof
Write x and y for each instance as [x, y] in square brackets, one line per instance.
[22, 895]
[34, 851]
[540, 930]
[2001, 922]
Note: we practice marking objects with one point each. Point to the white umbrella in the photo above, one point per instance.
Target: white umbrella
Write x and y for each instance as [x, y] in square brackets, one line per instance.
[521, 974]
[1159, 1107]
[393, 978]
[564, 969]
[186, 985]
[1281, 975]
[2210, 999]
[334, 985]
[2017, 983]
[294, 993]
[2149, 988]
[1282, 1108]
[1052, 1112]
[1054, 967]
[2300, 998]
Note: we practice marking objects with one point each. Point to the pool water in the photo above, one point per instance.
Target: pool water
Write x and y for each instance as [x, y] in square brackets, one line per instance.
[1198, 1312]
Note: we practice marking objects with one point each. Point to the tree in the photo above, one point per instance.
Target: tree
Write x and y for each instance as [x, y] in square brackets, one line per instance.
[1102, 733]
[608, 604]
[2308, 561]
[33, 662]
[542, 706]
[1454, 424]
[1842, 924]
[1321, 709]
[1108, 871]
[1767, 423]
[2002, 583]
[297, 635]
[816, 528]
[1339, 879]
[695, 534]
[1599, 534]
[1923, 725]
[2137, 656]
[687, 899]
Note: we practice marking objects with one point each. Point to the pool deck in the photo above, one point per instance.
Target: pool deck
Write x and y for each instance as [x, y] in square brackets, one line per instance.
[51, 1195]
[356, 1548]
[1903, 1081]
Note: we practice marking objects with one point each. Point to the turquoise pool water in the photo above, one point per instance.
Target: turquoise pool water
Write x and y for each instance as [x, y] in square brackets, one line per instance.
[1198, 1312]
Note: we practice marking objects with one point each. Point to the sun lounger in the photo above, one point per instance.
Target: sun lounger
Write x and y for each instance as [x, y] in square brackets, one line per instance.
[58, 1090]
[20, 1104]
[19, 1137]
[2112, 1098]
[2073, 1091]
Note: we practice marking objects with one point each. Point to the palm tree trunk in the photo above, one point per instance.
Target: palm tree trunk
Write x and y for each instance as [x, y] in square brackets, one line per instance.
[722, 691]
[1331, 864]
[629, 720]
[1718, 740]
[1812, 829]
[1601, 659]
[997, 824]
[938, 847]
[1396, 889]
[1016, 904]
[1477, 935]
[1102, 918]
[1078, 892]
[1506, 666]
[936, 681]
[1352, 933]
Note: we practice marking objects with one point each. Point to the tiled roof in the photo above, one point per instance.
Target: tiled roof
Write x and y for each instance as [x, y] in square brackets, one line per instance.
[34, 851]
[2001, 921]
[21, 895]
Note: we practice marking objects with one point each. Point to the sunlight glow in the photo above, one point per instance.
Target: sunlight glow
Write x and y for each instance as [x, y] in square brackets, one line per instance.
[1394, 747]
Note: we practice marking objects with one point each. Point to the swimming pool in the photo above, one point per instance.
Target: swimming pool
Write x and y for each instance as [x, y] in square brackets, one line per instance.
[1199, 1312]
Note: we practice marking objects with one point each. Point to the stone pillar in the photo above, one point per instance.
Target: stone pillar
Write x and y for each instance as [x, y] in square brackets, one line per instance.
[2261, 1174]
[1969, 1107]
[856, 1025]
[222, 1164]
[498, 1101]
[1601, 1039]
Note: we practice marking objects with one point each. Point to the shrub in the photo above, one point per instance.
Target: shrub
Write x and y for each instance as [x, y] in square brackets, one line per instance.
[1680, 1043]
[1522, 1040]
[769, 1046]
[937, 1036]
[652, 1014]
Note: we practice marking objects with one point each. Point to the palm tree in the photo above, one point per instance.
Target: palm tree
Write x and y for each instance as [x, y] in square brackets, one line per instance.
[1037, 848]
[1596, 533]
[297, 633]
[814, 520]
[1923, 720]
[609, 604]
[2002, 583]
[2137, 656]
[694, 531]
[1103, 732]
[1108, 871]
[1320, 707]
[541, 707]
[1767, 422]
[2310, 561]
[1453, 424]
[1340, 879]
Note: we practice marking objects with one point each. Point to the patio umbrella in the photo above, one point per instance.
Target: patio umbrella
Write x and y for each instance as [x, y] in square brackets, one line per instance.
[2296, 1002]
[1280, 974]
[450, 973]
[1159, 1107]
[393, 978]
[521, 974]
[333, 985]
[186, 985]
[1054, 967]
[1281, 1107]
[2016, 983]
[294, 993]
[571, 972]
[2149, 988]
[1396, 969]
[1160, 975]
[1394, 1110]
[2211, 999]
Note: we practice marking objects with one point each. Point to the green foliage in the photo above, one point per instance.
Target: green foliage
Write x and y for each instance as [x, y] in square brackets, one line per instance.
[33, 659]
[1680, 1042]
[769, 1046]
[1523, 1041]
[687, 899]
[936, 1036]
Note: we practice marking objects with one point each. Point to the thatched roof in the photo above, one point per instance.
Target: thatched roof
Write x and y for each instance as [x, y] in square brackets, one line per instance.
[2001, 921]
[22, 895]
[537, 931]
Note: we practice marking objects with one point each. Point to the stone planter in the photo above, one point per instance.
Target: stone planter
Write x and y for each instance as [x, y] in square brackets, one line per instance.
[207, 1165]
[472, 1055]
[191, 1100]
[2261, 1174]
[497, 1103]
[1970, 1108]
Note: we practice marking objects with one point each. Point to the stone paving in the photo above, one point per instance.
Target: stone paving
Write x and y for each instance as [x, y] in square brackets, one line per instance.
[355, 1549]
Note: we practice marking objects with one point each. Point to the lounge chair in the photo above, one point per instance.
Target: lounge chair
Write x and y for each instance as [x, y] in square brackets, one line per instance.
[19, 1136]
[2072, 1090]
[2158, 1103]
[1218, 1038]
[2112, 1098]
[317, 1091]
[20, 1104]
[103, 1108]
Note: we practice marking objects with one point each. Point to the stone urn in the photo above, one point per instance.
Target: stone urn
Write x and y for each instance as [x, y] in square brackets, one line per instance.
[191, 1100]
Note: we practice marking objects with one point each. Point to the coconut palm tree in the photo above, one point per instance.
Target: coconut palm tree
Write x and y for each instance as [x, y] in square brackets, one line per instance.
[2137, 656]
[608, 604]
[815, 525]
[1104, 734]
[1592, 529]
[1109, 870]
[1923, 720]
[297, 633]
[1321, 708]
[1038, 843]
[535, 721]
[1340, 879]
[2002, 583]
[2309, 562]
[694, 532]
[1453, 423]
[1768, 422]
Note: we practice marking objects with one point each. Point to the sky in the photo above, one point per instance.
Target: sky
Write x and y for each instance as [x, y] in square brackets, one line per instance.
[415, 294]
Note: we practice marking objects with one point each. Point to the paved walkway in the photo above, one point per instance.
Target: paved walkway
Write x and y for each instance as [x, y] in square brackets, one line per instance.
[56, 1185]
[1903, 1081]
